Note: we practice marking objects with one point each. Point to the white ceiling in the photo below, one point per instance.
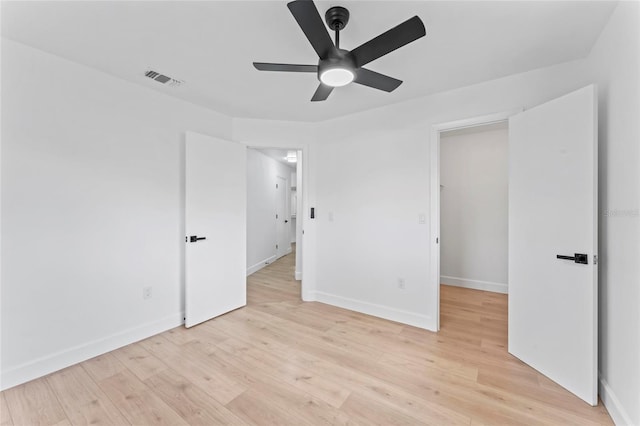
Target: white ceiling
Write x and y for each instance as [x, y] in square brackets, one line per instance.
[211, 45]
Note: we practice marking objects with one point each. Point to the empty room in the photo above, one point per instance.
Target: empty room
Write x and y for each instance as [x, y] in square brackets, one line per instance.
[311, 212]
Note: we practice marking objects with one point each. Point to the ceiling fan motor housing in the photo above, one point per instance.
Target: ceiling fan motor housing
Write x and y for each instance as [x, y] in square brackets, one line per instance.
[340, 58]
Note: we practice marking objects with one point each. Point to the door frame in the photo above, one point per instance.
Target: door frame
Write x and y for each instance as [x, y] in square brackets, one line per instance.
[434, 191]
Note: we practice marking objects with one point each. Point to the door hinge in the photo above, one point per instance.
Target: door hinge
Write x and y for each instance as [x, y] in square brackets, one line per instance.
[276, 215]
[595, 259]
[276, 247]
[276, 186]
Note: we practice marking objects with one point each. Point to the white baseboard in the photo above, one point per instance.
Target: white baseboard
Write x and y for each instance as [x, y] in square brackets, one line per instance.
[386, 312]
[475, 284]
[612, 403]
[308, 296]
[255, 268]
[48, 364]
[298, 276]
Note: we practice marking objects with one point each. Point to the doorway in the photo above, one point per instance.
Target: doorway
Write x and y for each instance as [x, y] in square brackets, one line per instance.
[474, 234]
[474, 207]
[274, 196]
[462, 192]
[552, 236]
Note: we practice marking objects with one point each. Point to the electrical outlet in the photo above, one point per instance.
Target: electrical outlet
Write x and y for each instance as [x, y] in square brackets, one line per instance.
[147, 293]
[401, 283]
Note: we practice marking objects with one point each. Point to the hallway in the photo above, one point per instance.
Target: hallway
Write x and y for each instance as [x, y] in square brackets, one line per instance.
[274, 283]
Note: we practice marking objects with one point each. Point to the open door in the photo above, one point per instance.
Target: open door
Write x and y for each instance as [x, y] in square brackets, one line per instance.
[553, 240]
[283, 243]
[215, 216]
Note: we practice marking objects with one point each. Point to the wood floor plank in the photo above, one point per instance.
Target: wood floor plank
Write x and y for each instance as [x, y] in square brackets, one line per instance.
[179, 335]
[419, 406]
[82, 400]
[103, 366]
[326, 389]
[194, 405]
[256, 409]
[34, 403]
[139, 361]
[423, 363]
[189, 363]
[265, 401]
[137, 402]
[365, 413]
[5, 415]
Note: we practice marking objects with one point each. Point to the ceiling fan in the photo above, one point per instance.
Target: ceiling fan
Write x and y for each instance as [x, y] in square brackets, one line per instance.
[338, 67]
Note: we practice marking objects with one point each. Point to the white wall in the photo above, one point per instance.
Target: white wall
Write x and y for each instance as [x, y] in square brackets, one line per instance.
[474, 208]
[262, 173]
[92, 210]
[614, 66]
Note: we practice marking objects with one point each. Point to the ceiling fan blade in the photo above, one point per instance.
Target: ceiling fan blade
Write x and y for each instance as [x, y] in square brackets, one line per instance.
[410, 30]
[266, 66]
[322, 93]
[307, 16]
[376, 80]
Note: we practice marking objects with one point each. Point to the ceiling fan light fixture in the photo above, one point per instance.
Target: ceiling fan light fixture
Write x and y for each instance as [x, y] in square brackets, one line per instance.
[337, 77]
[339, 67]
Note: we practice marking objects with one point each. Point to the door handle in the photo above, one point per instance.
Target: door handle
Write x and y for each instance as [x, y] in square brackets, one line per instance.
[577, 258]
[286, 221]
[195, 238]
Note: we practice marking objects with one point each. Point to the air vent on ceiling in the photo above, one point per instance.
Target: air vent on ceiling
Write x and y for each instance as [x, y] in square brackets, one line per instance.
[161, 78]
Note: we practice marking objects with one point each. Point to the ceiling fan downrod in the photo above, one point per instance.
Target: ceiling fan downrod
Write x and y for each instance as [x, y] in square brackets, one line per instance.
[337, 18]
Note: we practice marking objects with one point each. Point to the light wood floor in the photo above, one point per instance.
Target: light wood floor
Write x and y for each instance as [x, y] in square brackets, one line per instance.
[282, 361]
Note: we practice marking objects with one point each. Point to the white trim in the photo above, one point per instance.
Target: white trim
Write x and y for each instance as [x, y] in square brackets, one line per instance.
[308, 296]
[393, 314]
[286, 252]
[612, 403]
[48, 364]
[475, 284]
[434, 195]
[434, 224]
[265, 262]
[298, 276]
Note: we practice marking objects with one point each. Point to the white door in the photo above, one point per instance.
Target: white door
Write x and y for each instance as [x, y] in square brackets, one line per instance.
[553, 305]
[215, 216]
[282, 218]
